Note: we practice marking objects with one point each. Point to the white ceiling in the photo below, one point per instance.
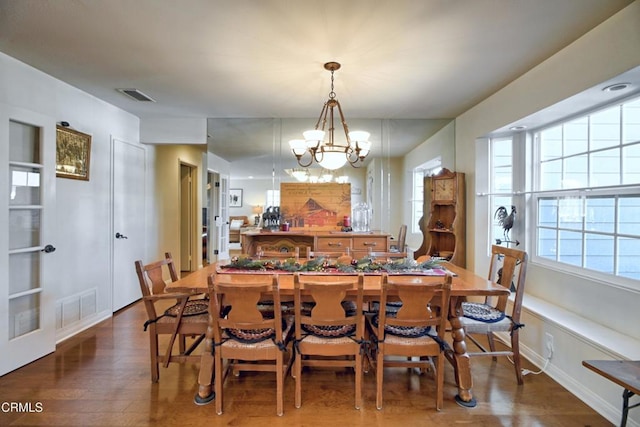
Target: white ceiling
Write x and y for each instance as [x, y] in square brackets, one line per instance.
[257, 59]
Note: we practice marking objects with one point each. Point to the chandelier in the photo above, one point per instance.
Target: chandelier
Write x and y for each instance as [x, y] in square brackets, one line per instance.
[331, 154]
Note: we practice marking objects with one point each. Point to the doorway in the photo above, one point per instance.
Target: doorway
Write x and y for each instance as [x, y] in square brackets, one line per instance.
[188, 217]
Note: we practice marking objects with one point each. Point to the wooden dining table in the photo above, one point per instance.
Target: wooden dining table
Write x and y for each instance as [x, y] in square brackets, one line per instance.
[465, 284]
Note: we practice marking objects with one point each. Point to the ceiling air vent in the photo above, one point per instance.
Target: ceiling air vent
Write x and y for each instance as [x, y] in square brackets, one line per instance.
[136, 94]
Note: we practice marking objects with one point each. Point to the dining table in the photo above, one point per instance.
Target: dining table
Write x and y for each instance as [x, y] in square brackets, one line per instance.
[465, 284]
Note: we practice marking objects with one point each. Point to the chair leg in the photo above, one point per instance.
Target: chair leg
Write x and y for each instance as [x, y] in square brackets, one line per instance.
[297, 369]
[155, 363]
[219, 380]
[379, 376]
[515, 348]
[279, 384]
[182, 343]
[358, 363]
[439, 381]
[492, 344]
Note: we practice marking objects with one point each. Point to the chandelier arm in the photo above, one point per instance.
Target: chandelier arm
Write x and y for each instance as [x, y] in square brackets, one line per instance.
[344, 124]
[323, 116]
[310, 160]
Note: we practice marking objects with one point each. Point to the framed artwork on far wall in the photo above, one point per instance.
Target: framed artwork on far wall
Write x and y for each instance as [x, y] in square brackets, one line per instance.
[235, 197]
[73, 152]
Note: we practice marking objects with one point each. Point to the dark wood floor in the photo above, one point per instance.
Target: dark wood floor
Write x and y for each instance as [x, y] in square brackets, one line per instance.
[101, 378]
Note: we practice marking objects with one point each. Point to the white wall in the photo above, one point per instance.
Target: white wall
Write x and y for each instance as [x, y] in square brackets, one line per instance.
[570, 307]
[442, 145]
[82, 233]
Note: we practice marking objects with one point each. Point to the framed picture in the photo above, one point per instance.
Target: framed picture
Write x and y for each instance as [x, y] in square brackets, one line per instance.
[235, 198]
[73, 154]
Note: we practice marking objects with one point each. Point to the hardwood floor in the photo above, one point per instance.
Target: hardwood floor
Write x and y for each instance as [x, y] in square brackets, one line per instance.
[101, 377]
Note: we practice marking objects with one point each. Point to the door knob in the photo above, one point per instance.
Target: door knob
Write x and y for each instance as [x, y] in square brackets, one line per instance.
[120, 236]
[48, 249]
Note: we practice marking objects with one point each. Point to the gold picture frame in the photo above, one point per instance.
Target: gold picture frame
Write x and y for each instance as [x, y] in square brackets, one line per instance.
[73, 154]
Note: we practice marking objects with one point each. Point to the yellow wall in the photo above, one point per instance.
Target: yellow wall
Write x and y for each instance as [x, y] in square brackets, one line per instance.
[167, 192]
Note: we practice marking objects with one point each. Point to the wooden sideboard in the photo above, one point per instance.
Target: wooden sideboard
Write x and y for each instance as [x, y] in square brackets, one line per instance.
[359, 244]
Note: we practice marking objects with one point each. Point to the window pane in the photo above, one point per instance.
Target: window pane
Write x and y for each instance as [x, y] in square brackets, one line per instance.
[24, 228]
[502, 179]
[605, 168]
[576, 137]
[24, 315]
[576, 172]
[605, 128]
[599, 253]
[548, 212]
[500, 201]
[24, 143]
[551, 175]
[570, 213]
[631, 121]
[501, 149]
[547, 243]
[570, 247]
[24, 186]
[630, 166]
[629, 220]
[628, 255]
[551, 143]
[600, 214]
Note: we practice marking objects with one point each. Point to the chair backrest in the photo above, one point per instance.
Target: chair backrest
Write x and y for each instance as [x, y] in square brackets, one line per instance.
[151, 278]
[235, 303]
[425, 302]
[402, 237]
[328, 294]
[509, 269]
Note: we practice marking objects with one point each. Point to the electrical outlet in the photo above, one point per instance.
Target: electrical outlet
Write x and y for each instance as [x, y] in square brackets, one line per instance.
[548, 346]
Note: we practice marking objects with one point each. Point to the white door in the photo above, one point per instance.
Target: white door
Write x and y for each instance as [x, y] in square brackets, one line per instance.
[222, 218]
[128, 236]
[27, 216]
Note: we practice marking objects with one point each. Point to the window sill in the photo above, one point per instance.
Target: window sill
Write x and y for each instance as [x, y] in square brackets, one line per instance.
[618, 345]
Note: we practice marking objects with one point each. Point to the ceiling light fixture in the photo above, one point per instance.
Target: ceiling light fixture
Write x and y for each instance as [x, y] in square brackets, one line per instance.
[331, 154]
[616, 87]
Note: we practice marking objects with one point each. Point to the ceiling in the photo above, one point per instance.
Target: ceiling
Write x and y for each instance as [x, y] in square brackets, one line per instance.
[246, 64]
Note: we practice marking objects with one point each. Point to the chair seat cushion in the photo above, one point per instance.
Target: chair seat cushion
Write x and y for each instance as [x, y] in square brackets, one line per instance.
[193, 308]
[330, 331]
[481, 312]
[252, 336]
[402, 331]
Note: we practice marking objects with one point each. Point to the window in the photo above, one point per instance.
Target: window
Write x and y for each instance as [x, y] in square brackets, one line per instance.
[501, 186]
[272, 198]
[587, 196]
[417, 198]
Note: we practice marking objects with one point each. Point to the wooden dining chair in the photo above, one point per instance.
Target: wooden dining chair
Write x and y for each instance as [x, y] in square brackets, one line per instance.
[508, 268]
[245, 337]
[331, 330]
[187, 317]
[416, 330]
[399, 246]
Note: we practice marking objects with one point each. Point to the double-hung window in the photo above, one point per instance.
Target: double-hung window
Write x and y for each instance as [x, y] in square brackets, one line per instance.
[587, 192]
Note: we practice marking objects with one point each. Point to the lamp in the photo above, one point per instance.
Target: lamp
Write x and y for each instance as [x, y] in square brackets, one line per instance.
[257, 209]
[331, 154]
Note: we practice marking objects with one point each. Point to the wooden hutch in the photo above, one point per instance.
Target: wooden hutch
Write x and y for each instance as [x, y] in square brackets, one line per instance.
[444, 223]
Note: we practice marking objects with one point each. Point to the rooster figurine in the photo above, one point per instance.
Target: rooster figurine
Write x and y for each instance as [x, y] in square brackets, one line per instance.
[506, 220]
